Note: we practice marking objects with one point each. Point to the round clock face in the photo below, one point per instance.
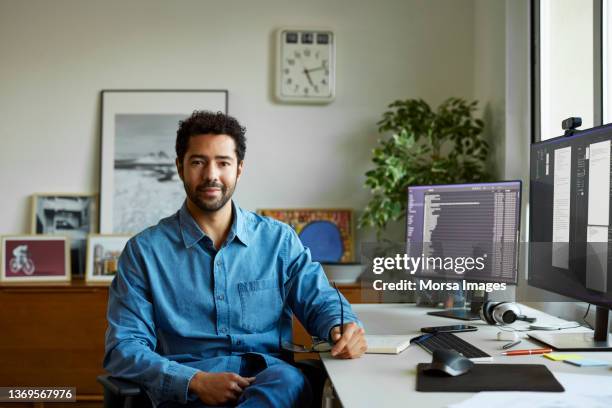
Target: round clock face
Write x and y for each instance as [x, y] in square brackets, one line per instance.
[305, 66]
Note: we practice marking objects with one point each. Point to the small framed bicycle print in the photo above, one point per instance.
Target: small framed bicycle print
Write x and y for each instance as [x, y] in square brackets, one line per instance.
[35, 258]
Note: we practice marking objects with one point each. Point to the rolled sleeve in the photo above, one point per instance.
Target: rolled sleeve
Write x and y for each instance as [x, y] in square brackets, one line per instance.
[313, 300]
[177, 381]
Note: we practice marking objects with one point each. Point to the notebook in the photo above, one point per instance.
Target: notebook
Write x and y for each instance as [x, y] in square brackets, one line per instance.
[387, 344]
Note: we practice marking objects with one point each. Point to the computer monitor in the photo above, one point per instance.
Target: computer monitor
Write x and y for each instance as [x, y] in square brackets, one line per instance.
[459, 220]
[569, 227]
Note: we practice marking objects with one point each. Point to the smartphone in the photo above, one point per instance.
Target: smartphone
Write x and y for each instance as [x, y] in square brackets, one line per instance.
[449, 329]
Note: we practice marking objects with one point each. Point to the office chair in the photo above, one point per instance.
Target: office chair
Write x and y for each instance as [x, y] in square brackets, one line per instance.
[121, 393]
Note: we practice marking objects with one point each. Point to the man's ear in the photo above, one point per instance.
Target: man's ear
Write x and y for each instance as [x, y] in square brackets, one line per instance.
[179, 168]
[239, 170]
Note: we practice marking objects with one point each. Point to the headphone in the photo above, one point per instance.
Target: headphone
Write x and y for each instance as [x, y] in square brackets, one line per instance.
[502, 313]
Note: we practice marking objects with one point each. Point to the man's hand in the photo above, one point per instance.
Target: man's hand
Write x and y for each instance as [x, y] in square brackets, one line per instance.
[352, 344]
[218, 388]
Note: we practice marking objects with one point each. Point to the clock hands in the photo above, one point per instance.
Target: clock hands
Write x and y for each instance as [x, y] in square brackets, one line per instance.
[307, 72]
[314, 69]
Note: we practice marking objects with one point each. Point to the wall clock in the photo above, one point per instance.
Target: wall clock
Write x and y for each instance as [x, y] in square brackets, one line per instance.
[305, 65]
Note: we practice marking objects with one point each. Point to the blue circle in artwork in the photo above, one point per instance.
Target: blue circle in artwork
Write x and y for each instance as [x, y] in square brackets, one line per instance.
[324, 240]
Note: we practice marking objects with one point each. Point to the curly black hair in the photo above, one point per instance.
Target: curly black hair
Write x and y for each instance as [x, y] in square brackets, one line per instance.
[205, 123]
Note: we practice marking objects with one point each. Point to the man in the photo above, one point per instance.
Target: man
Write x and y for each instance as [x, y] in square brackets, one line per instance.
[202, 300]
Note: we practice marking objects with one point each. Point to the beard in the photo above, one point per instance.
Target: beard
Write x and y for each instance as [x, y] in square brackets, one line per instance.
[209, 204]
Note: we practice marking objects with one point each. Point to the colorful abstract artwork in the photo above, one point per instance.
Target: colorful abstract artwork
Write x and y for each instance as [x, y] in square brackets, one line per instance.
[328, 233]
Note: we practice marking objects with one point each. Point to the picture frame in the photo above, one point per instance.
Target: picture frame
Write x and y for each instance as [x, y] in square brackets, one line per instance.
[139, 184]
[35, 258]
[103, 252]
[74, 215]
[327, 232]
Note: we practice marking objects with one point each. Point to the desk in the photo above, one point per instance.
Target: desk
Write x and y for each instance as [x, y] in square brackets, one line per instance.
[389, 380]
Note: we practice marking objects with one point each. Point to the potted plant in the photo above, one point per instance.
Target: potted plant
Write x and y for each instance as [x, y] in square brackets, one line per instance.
[425, 147]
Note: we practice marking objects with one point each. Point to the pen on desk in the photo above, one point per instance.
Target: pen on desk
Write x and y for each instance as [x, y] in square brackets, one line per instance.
[527, 352]
[510, 345]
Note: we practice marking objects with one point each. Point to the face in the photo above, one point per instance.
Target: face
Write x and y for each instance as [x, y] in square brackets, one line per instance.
[210, 171]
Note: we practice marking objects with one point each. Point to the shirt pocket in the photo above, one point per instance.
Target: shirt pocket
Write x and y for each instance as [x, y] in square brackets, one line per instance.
[261, 305]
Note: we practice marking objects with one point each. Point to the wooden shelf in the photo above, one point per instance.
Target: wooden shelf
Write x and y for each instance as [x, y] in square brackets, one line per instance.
[75, 284]
[56, 336]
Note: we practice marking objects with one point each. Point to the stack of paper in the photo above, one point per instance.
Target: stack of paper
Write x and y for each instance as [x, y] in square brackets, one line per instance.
[581, 391]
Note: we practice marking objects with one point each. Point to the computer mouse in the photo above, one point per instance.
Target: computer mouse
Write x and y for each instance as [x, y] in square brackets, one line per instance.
[448, 363]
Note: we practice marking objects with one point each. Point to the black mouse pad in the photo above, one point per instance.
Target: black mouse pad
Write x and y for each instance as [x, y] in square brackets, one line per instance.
[492, 377]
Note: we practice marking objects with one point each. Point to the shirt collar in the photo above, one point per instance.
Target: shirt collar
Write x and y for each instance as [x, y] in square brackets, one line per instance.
[192, 233]
[239, 225]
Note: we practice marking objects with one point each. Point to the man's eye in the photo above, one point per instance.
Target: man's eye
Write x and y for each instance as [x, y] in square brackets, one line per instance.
[197, 163]
[223, 164]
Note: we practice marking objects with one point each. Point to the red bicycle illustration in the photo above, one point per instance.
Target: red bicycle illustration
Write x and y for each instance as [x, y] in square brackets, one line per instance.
[21, 261]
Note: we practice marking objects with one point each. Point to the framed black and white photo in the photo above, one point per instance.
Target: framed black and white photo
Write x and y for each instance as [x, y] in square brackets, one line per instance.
[72, 215]
[139, 184]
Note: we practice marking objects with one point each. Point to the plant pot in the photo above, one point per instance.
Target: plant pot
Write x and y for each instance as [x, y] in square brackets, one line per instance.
[348, 272]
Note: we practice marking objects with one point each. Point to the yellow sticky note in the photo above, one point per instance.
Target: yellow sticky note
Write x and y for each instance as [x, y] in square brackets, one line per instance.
[561, 357]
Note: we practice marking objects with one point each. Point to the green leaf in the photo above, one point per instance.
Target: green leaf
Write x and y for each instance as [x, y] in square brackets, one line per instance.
[422, 146]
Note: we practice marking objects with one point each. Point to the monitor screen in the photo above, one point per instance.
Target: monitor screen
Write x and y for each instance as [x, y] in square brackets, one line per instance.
[466, 221]
[569, 213]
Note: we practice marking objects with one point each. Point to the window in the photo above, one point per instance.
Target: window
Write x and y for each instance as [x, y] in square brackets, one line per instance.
[564, 77]
[607, 60]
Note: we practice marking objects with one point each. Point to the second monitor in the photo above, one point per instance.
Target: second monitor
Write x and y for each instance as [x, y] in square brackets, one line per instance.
[464, 221]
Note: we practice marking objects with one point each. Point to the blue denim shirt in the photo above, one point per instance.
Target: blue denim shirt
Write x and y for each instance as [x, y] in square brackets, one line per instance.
[177, 305]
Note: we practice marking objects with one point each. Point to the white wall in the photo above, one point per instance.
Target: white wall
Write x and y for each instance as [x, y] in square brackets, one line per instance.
[57, 56]
[490, 75]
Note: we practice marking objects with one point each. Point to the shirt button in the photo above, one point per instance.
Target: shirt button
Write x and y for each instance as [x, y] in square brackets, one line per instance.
[220, 297]
[238, 342]
[223, 330]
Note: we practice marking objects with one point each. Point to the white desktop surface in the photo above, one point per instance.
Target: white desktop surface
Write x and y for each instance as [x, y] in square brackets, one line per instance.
[377, 380]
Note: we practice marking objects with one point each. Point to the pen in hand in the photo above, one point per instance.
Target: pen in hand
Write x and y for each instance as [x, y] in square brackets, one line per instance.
[341, 310]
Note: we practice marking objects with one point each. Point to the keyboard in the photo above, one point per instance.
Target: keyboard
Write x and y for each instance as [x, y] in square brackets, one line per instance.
[445, 341]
